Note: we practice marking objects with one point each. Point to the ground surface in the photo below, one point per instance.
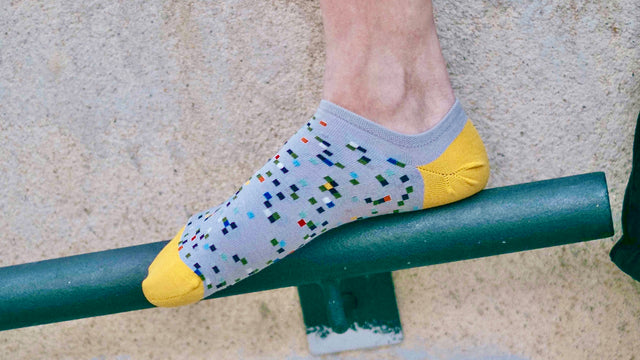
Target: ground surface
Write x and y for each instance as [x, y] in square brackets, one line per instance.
[114, 116]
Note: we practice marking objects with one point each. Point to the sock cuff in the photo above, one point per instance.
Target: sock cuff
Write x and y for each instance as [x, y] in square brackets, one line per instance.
[440, 135]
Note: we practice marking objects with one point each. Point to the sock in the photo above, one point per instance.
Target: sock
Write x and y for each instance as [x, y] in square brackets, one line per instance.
[338, 168]
[626, 252]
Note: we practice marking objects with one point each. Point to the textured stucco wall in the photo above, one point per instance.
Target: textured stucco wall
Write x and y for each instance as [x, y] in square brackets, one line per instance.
[115, 116]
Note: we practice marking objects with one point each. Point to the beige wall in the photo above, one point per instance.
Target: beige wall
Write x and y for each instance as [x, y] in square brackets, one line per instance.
[114, 116]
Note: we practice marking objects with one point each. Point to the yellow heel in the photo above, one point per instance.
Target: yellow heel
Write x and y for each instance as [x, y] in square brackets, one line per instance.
[461, 171]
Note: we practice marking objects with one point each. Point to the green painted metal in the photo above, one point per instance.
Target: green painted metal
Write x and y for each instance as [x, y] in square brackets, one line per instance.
[350, 314]
[495, 221]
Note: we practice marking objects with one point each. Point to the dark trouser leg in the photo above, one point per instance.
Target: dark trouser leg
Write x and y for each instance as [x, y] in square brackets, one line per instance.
[626, 253]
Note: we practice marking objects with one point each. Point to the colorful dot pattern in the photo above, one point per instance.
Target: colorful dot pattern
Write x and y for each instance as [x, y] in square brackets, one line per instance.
[323, 177]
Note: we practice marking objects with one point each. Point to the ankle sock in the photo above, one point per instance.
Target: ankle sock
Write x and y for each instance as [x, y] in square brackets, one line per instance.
[339, 167]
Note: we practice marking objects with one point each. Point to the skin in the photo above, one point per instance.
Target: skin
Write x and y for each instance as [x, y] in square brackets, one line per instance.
[384, 62]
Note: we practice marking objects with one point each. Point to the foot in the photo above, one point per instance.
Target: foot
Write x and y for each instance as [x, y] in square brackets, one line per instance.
[339, 167]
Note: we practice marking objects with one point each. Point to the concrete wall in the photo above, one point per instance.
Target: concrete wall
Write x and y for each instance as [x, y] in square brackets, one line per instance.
[110, 110]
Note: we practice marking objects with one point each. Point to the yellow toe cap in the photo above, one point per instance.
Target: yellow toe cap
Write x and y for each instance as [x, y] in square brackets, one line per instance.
[170, 281]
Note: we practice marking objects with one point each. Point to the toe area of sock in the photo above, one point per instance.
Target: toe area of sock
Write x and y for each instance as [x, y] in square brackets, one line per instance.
[170, 281]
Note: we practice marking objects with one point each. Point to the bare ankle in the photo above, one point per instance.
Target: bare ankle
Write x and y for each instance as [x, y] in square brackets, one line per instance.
[399, 96]
[389, 70]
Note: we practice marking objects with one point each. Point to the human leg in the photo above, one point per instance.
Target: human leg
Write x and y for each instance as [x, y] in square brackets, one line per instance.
[413, 149]
[626, 252]
[384, 62]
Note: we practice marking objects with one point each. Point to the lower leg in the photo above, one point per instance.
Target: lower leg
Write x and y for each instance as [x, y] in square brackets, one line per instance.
[384, 62]
[631, 208]
[626, 253]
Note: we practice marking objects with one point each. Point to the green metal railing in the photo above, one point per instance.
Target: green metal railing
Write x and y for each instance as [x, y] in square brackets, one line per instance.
[495, 221]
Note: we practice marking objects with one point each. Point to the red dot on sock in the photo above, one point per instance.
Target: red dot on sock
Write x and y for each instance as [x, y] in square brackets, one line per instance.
[301, 222]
